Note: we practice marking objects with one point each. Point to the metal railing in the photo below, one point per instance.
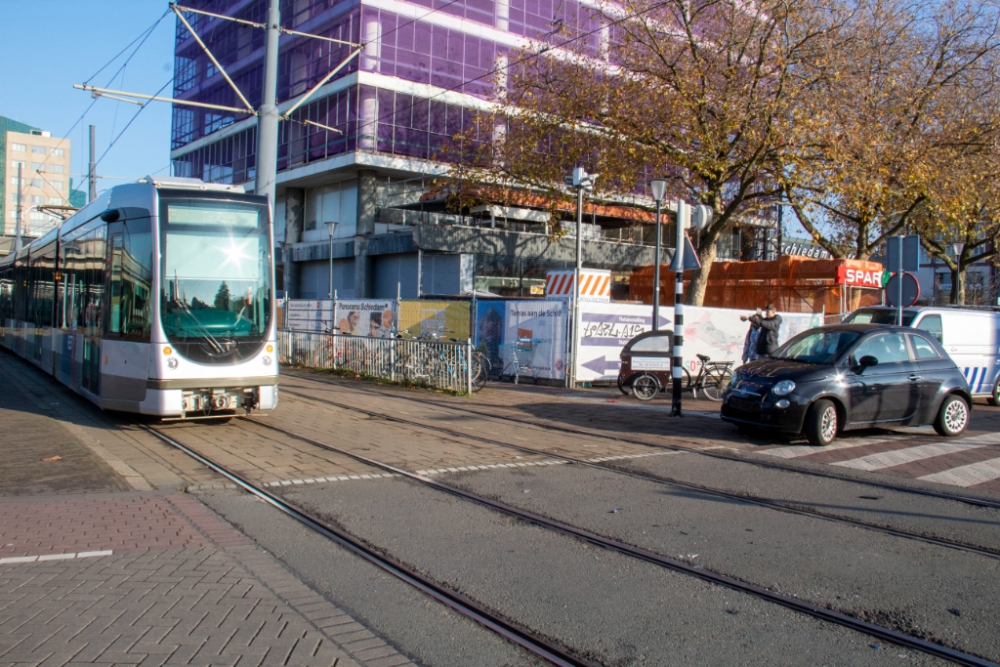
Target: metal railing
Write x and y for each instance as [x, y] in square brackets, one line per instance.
[435, 363]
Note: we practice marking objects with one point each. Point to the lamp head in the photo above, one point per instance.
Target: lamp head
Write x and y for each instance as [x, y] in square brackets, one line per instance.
[658, 186]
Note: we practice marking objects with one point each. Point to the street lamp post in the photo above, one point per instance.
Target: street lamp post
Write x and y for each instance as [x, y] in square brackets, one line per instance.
[659, 188]
[580, 181]
[331, 227]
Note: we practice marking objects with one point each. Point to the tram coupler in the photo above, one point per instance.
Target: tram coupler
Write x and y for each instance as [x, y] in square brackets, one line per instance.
[251, 399]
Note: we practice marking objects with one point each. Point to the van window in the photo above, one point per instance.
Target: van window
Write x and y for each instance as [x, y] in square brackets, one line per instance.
[923, 348]
[932, 325]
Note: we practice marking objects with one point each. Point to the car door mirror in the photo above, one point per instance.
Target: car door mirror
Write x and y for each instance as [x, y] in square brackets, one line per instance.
[866, 361]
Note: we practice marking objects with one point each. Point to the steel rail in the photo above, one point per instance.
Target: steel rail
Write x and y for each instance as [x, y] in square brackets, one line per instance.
[456, 601]
[968, 500]
[780, 506]
[815, 611]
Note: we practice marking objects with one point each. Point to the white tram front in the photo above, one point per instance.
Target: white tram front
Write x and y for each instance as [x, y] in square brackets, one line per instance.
[157, 298]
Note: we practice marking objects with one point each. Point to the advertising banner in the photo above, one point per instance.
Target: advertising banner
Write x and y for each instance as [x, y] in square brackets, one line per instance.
[715, 332]
[309, 315]
[500, 324]
[366, 317]
[450, 318]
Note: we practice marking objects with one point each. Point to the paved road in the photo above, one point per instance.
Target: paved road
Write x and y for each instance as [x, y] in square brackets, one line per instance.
[190, 576]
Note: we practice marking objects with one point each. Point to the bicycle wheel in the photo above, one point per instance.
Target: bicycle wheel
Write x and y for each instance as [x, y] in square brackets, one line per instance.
[685, 378]
[645, 387]
[480, 371]
[715, 383]
[622, 387]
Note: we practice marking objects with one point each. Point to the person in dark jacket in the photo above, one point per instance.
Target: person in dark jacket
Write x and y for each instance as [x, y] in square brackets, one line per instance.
[767, 340]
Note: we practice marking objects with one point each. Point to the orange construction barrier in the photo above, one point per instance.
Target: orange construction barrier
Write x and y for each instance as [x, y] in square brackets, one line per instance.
[793, 284]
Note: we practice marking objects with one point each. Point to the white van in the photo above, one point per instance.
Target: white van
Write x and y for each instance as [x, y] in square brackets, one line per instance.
[971, 338]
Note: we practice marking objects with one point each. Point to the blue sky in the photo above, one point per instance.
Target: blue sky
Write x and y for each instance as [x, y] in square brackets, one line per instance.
[49, 45]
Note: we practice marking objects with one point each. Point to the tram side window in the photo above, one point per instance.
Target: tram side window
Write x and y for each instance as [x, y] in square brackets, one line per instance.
[136, 281]
[72, 266]
[6, 295]
[42, 288]
[20, 291]
[92, 246]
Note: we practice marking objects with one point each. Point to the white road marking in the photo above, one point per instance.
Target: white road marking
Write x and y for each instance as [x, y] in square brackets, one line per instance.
[967, 475]
[900, 456]
[795, 451]
[13, 560]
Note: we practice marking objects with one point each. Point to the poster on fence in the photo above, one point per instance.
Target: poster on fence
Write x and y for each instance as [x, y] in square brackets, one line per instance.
[309, 315]
[448, 318]
[366, 317]
[717, 333]
[541, 325]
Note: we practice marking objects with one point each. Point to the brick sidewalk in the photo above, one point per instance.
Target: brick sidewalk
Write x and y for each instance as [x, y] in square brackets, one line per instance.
[98, 567]
[157, 580]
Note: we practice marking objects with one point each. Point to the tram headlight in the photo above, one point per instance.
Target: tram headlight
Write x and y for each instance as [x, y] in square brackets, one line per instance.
[269, 348]
[266, 359]
[172, 363]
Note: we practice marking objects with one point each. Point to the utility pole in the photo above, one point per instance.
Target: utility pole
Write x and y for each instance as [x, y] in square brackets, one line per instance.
[267, 123]
[20, 207]
[91, 173]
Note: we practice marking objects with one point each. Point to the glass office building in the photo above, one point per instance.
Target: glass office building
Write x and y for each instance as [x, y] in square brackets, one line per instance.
[423, 75]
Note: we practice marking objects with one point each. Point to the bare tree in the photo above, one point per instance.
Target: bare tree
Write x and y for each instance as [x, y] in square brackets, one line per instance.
[697, 92]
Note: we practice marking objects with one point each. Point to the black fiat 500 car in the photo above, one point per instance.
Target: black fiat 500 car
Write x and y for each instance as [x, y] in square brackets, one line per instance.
[842, 377]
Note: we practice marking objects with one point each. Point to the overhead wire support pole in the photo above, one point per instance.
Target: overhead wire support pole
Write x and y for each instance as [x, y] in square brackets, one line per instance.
[218, 65]
[101, 92]
[268, 114]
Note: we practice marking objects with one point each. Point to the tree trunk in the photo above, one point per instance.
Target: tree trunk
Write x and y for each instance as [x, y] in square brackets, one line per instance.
[957, 286]
[699, 283]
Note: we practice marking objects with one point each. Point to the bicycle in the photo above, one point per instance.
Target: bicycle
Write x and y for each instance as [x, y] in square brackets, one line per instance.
[713, 379]
[522, 358]
[425, 363]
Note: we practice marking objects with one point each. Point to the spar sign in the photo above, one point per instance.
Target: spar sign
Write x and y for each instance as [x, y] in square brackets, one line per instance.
[847, 275]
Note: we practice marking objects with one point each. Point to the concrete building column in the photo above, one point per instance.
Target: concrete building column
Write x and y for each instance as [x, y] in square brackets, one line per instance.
[364, 279]
[295, 209]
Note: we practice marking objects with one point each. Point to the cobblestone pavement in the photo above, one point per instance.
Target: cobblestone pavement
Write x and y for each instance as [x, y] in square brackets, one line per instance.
[93, 571]
[971, 461]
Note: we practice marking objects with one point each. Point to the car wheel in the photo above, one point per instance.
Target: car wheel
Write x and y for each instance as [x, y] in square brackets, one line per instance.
[994, 398]
[953, 416]
[645, 387]
[821, 423]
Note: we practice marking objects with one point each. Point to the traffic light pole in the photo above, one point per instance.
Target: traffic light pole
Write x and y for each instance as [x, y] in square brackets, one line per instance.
[678, 361]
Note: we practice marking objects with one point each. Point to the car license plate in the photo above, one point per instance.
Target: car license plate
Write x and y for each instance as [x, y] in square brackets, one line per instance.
[743, 404]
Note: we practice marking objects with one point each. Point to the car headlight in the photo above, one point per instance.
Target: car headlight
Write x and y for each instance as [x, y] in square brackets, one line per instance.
[784, 388]
[734, 380]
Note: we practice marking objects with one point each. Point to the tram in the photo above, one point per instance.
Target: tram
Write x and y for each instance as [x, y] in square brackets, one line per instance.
[156, 298]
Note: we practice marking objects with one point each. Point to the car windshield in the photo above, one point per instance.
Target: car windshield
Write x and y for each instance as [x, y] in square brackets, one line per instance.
[879, 316]
[817, 346]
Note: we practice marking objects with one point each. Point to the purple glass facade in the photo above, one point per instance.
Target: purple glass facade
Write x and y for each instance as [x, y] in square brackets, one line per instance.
[455, 57]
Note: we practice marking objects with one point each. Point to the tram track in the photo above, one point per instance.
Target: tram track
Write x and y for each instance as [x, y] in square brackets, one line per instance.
[791, 602]
[531, 641]
[715, 454]
[790, 508]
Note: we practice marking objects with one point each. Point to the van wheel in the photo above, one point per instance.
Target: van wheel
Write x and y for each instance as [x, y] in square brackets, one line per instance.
[994, 398]
[953, 416]
[821, 423]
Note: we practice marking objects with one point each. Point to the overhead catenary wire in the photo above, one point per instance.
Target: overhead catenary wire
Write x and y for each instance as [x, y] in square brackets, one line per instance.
[143, 36]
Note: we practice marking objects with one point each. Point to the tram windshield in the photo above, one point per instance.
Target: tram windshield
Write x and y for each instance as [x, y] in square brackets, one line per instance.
[216, 298]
